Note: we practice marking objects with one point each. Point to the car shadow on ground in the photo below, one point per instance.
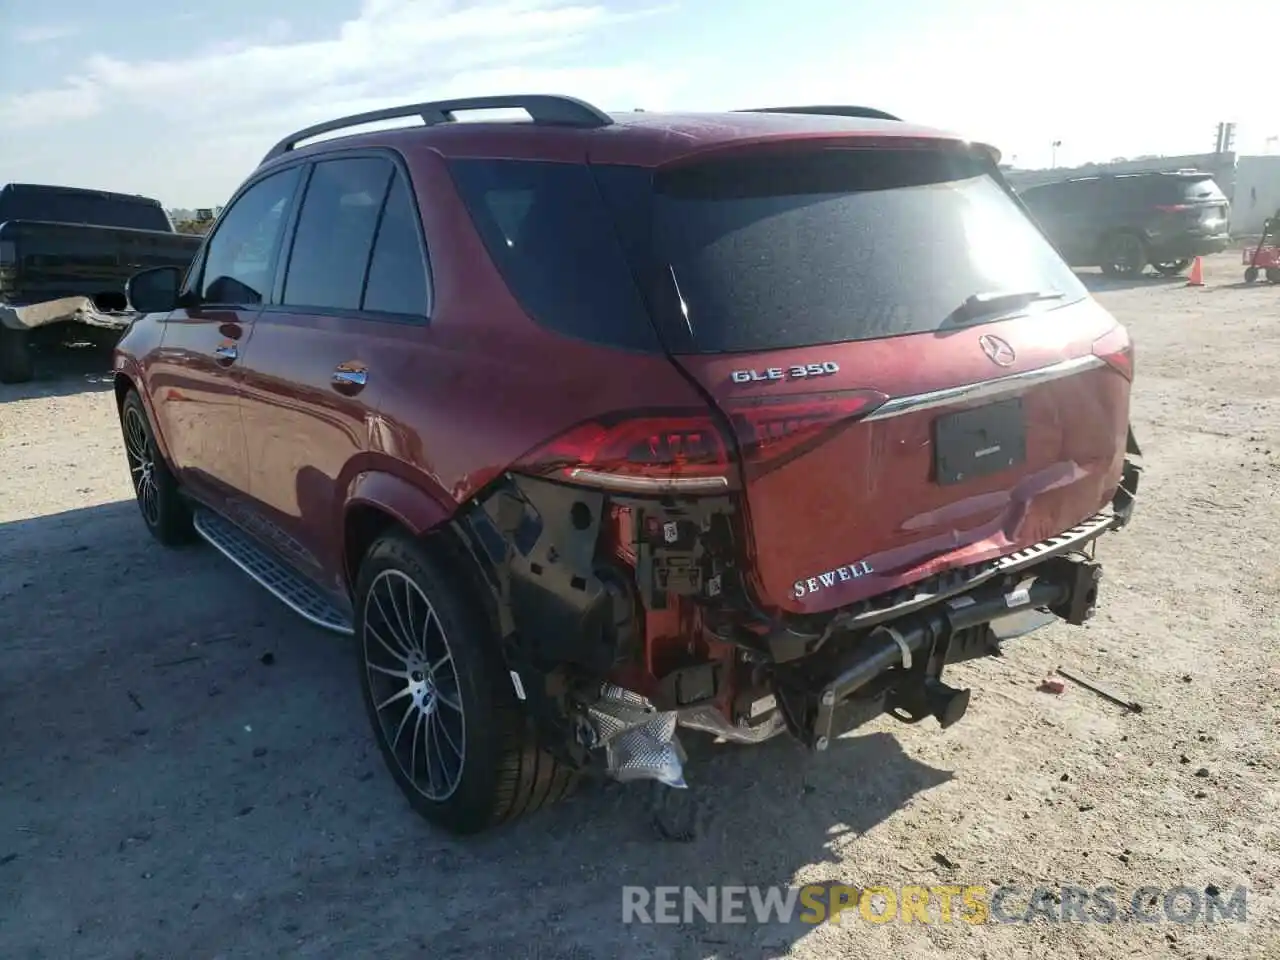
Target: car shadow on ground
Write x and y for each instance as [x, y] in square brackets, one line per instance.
[1097, 282]
[187, 770]
[1242, 285]
[63, 371]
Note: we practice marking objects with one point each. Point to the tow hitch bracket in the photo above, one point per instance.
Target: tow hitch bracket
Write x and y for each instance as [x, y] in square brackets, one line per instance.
[898, 668]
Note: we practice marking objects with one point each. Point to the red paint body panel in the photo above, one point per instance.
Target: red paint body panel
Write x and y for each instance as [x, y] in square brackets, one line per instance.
[305, 439]
[146, 338]
[417, 511]
[196, 398]
[465, 397]
[866, 495]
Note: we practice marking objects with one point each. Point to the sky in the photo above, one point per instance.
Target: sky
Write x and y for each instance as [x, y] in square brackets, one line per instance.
[142, 97]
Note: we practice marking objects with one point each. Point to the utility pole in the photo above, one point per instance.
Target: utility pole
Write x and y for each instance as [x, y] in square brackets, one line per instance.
[1226, 138]
[1054, 163]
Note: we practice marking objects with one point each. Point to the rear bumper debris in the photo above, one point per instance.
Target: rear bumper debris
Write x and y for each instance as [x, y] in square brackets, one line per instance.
[895, 665]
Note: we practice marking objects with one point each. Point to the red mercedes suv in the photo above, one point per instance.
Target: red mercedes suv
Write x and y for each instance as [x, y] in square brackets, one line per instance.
[590, 427]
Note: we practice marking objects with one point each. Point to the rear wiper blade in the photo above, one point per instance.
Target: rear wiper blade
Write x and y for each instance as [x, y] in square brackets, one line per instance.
[980, 305]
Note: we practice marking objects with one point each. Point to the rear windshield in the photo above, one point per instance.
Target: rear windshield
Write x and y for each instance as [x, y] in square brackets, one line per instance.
[62, 206]
[1205, 188]
[785, 250]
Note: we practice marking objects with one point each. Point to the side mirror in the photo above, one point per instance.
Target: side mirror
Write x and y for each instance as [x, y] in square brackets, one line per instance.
[154, 290]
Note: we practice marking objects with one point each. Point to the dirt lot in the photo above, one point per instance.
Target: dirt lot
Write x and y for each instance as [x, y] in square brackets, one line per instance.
[164, 792]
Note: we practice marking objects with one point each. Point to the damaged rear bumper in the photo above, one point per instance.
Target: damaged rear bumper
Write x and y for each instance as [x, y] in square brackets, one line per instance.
[607, 697]
[896, 666]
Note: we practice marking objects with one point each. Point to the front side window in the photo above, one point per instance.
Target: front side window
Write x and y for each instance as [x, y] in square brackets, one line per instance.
[241, 257]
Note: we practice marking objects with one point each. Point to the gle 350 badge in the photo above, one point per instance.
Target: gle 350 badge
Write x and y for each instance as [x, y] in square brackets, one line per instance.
[802, 371]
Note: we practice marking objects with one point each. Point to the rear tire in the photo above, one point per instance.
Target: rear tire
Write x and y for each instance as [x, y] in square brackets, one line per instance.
[1273, 274]
[164, 511]
[1251, 275]
[440, 699]
[1124, 255]
[15, 356]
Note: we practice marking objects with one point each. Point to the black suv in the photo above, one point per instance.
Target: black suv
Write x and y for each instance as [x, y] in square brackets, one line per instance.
[1124, 222]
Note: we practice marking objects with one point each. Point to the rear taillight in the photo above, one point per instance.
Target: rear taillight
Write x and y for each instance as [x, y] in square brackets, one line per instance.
[1116, 349]
[773, 430]
[685, 452]
[665, 453]
[1173, 207]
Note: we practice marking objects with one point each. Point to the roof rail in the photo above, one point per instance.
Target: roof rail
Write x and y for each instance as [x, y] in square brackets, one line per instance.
[870, 113]
[542, 108]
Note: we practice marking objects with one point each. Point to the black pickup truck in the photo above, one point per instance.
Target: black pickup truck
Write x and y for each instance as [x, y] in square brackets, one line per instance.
[65, 254]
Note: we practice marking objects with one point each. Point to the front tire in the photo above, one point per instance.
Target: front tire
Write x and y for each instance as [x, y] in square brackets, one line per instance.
[164, 511]
[15, 356]
[1251, 275]
[439, 698]
[1273, 274]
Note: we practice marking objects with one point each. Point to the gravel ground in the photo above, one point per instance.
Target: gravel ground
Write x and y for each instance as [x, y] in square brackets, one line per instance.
[167, 789]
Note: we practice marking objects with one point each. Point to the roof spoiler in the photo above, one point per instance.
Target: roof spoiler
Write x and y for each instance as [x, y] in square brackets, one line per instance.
[866, 113]
[548, 109]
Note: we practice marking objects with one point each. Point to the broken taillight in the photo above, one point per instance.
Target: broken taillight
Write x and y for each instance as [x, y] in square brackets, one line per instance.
[686, 452]
[666, 453]
[774, 430]
[1116, 349]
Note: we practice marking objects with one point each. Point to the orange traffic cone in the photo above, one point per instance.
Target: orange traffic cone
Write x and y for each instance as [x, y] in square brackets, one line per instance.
[1197, 274]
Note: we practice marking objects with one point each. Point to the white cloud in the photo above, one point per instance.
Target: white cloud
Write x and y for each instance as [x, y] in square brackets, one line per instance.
[392, 46]
[250, 91]
[77, 100]
[44, 32]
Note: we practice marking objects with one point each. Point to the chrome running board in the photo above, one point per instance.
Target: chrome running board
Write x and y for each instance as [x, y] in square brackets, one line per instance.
[294, 591]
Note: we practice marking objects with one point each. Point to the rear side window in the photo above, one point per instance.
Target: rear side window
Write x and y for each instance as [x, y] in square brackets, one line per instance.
[335, 233]
[1061, 197]
[398, 268]
[788, 250]
[555, 244]
[241, 256]
[1158, 190]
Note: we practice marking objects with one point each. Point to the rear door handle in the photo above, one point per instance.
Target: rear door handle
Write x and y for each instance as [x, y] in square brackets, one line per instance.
[226, 353]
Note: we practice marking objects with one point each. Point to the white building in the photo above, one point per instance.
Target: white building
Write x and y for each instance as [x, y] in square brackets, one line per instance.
[1256, 194]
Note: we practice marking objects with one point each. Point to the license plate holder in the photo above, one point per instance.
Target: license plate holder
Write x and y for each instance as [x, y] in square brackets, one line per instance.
[979, 442]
